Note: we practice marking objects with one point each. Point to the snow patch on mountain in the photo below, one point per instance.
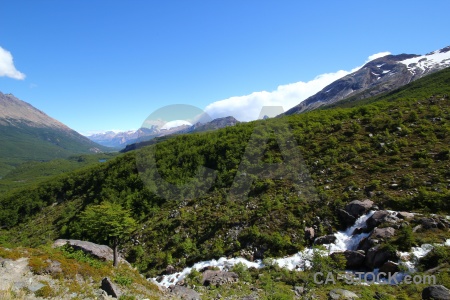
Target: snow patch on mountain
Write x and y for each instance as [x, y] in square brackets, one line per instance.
[438, 58]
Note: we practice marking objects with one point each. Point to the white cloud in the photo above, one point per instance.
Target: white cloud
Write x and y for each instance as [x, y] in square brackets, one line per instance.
[248, 107]
[378, 55]
[7, 68]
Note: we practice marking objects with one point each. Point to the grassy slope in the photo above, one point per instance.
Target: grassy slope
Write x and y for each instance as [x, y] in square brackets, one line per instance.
[351, 154]
[32, 172]
[23, 143]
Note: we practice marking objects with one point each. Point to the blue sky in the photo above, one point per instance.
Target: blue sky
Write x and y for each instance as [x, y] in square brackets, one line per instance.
[101, 65]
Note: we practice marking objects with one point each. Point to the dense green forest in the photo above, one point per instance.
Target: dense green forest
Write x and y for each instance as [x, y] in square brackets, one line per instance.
[268, 179]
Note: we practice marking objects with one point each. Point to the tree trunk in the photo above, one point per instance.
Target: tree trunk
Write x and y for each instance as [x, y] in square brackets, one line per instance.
[116, 254]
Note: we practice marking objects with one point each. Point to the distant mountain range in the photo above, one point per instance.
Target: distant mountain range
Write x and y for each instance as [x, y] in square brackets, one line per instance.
[378, 76]
[119, 140]
[27, 133]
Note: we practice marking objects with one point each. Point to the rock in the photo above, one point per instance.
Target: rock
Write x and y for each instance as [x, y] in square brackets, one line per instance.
[366, 243]
[382, 233]
[353, 259]
[346, 218]
[326, 239]
[184, 292]
[376, 257]
[250, 297]
[437, 292]
[417, 228]
[358, 230]
[170, 270]
[110, 288]
[217, 278]
[380, 217]
[101, 252]
[309, 233]
[358, 208]
[53, 268]
[299, 290]
[428, 223]
[336, 294]
[405, 215]
[389, 267]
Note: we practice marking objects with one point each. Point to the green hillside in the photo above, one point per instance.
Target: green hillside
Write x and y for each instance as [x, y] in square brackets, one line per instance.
[395, 151]
[22, 143]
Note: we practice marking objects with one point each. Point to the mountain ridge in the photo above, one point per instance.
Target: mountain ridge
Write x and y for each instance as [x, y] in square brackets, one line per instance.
[377, 76]
[124, 139]
[28, 134]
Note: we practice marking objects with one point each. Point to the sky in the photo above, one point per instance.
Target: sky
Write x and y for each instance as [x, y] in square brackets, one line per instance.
[106, 65]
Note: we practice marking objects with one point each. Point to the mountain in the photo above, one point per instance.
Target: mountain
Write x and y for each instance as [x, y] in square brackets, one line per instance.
[393, 151]
[377, 76]
[27, 133]
[119, 140]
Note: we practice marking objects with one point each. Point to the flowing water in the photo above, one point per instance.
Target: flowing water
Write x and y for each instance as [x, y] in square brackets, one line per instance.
[345, 240]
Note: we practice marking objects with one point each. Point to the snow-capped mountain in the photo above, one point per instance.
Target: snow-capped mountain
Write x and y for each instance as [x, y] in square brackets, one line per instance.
[377, 76]
[119, 140]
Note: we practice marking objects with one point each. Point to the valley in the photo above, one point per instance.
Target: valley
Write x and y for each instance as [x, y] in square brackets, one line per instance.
[357, 183]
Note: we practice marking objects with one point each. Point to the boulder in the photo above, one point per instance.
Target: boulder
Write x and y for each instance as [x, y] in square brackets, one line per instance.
[217, 278]
[353, 259]
[377, 256]
[309, 233]
[346, 218]
[366, 243]
[184, 292]
[429, 223]
[53, 268]
[170, 270]
[336, 294]
[380, 217]
[405, 215]
[326, 239]
[389, 267]
[358, 208]
[437, 292]
[382, 233]
[110, 288]
[101, 252]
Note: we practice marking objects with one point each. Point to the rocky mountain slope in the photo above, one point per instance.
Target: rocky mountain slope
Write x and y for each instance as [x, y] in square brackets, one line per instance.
[27, 133]
[380, 75]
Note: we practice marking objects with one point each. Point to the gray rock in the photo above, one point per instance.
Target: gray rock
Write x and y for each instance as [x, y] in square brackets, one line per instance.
[382, 233]
[346, 218]
[217, 278]
[429, 223]
[102, 252]
[380, 217]
[326, 239]
[437, 292]
[358, 208]
[170, 269]
[110, 288]
[389, 267]
[184, 292]
[309, 233]
[405, 215]
[299, 290]
[336, 294]
[376, 257]
[353, 259]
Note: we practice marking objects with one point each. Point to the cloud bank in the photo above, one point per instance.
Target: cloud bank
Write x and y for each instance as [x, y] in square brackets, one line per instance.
[7, 68]
[248, 107]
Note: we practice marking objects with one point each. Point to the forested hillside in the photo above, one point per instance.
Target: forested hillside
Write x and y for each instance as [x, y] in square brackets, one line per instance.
[394, 151]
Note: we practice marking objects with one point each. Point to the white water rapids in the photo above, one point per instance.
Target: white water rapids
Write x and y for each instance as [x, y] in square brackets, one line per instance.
[345, 240]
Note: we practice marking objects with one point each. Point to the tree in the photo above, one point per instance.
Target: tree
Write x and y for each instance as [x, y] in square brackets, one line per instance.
[108, 222]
